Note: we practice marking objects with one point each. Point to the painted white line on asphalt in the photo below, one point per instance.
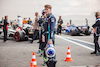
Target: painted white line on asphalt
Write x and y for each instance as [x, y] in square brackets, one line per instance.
[80, 40]
[74, 42]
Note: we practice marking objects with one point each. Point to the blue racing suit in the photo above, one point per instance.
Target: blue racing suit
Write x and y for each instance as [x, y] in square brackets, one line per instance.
[49, 28]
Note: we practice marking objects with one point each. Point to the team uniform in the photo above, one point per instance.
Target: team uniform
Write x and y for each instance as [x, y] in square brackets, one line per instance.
[60, 22]
[97, 47]
[49, 28]
[29, 22]
[41, 33]
[5, 30]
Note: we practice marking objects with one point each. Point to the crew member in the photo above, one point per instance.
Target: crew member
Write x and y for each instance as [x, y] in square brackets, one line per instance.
[36, 28]
[97, 24]
[41, 31]
[5, 23]
[25, 21]
[29, 21]
[59, 28]
[1, 22]
[20, 21]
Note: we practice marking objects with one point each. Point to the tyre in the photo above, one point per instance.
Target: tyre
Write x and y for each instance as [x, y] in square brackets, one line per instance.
[18, 36]
[87, 32]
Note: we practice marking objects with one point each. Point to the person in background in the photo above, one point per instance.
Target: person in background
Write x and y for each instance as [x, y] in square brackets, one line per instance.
[59, 28]
[1, 22]
[25, 21]
[36, 27]
[29, 21]
[97, 24]
[26, 18]
[13, 25]
[41, 32]
[5, 24]
[20, 21]
[11, 22]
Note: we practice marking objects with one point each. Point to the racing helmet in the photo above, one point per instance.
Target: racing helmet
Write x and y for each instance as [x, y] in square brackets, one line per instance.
[43, 12]
[50, 51]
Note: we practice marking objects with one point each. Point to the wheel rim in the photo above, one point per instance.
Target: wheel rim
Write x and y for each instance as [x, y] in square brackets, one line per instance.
[17, 36]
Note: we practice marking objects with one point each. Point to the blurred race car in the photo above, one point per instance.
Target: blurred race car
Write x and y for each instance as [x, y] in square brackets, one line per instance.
[77, 30]
[24, 33]
[20, 33]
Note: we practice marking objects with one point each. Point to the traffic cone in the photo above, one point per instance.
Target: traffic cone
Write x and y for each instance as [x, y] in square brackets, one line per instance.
[31, 65]
[68, 58]
[33, 62]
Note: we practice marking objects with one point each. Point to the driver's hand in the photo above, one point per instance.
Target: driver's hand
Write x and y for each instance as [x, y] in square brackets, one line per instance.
[50, 41]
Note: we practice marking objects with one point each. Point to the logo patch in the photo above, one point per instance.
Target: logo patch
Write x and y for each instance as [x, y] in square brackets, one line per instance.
[52, 20]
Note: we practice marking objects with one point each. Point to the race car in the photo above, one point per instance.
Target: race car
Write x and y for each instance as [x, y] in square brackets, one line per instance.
[24, 33]
[77, 30]
[20, 33]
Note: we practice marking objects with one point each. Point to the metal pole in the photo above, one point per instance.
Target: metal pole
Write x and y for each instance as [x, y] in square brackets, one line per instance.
[70, 22]
[86, 22]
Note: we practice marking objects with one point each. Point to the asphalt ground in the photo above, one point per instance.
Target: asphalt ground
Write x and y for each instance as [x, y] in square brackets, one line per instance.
[19, 54]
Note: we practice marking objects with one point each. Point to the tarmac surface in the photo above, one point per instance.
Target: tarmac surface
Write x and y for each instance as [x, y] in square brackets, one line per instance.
[19, 54]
